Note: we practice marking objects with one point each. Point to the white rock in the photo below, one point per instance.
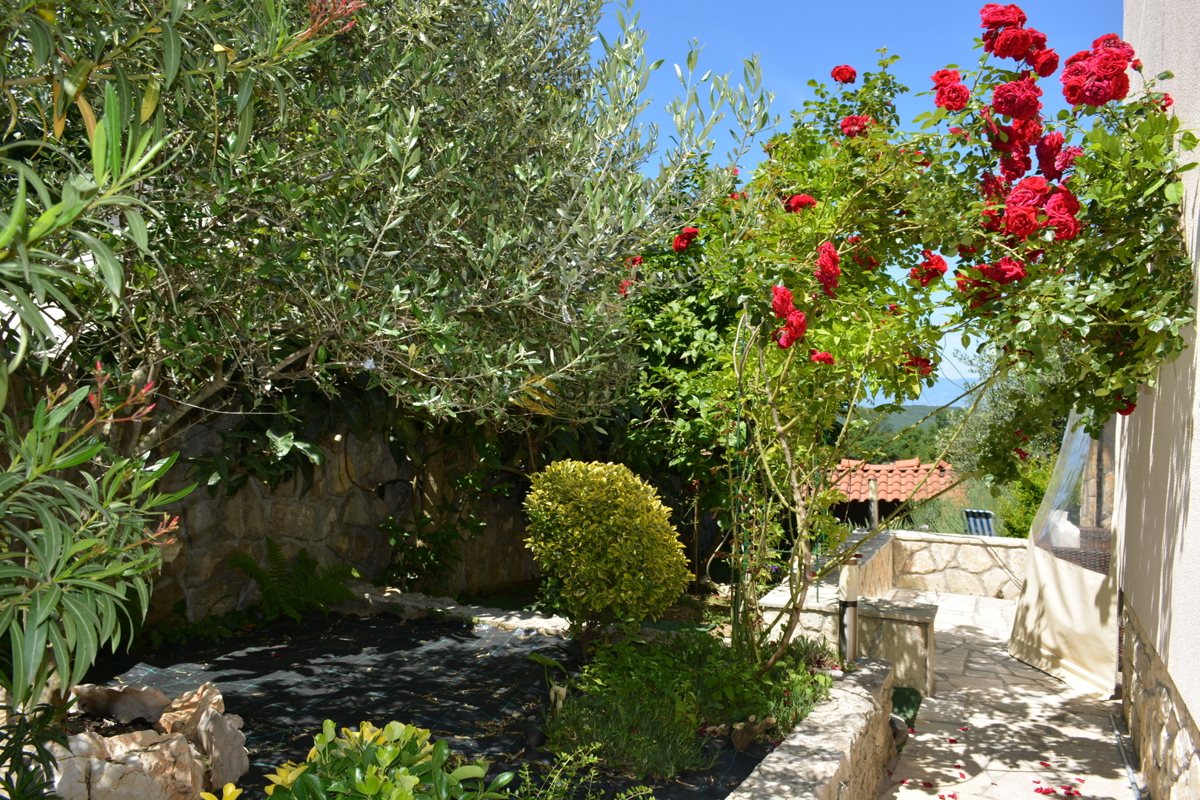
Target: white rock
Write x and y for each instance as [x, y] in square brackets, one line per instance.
[121, 703]
[183, 714]
[224, 745]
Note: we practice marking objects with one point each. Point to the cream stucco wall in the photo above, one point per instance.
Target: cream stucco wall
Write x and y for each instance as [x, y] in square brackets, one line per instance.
[1160, 559]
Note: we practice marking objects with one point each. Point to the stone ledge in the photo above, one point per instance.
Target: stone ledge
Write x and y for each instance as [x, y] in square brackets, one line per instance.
[839, 751]
[956, 538]
[370, 600]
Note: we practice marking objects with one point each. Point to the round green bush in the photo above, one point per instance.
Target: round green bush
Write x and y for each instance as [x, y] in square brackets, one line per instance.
[603, 536]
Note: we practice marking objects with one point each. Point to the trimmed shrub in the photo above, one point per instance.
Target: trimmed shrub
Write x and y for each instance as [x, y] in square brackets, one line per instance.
[604, 539]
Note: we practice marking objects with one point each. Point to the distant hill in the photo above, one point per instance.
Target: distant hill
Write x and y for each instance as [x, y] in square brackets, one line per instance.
[909, 416]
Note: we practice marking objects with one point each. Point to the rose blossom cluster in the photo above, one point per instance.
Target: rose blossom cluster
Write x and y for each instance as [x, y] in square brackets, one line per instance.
[795, 324]
[1005, 36]
[952, 93]
[854, 125]
[828, 267]
[684, 238]
[821, 357]
[919, 365]
[1094, 77]
[798, 202]
[1035, 203]
[844, 74]
[931, 269]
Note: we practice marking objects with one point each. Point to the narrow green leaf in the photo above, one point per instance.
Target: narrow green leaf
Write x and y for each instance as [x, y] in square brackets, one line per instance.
[246, 90]
[110, 268]
[172, 48]
[16, 218]
[136, 224]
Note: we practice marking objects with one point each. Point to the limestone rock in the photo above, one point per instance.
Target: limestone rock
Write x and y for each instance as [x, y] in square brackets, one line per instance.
[183, 714]
[921, 562]
[219, 740]
[142, 765]
[960, 582]
[975, 559]
[164, 769]
[121, 703]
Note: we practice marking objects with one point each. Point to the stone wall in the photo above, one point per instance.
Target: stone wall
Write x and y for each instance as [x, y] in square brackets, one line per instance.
[839, 751]
[1164, 732]
[336, 519]
[987, 566]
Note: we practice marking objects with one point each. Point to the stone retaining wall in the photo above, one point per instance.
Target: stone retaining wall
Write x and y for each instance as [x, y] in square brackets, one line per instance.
[1164, 732]
[336, 519]
[839, 751]
[986, 566]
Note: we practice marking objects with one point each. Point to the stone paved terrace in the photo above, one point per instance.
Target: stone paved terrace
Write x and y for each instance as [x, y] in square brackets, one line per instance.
[997, 728]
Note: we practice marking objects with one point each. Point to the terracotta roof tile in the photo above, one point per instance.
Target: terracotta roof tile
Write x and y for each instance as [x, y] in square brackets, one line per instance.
[896, 480]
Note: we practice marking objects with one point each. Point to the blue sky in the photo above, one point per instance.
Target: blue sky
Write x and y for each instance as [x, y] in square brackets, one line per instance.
[797, 41]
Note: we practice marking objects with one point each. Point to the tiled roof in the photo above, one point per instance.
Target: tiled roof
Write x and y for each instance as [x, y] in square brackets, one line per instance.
[896, 480]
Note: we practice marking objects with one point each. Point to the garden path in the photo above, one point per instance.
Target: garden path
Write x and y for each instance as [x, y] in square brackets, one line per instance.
[998, 728]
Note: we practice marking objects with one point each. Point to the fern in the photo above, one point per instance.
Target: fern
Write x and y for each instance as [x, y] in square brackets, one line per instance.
[290, 589]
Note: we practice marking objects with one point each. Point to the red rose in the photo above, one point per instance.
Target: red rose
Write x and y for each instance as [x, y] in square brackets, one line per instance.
[1066, 159]
[1018, 99]
[932, 268]
[1021, 453]
[781, 301]
[1107, 63]
[1082, 55]
[1077, 71]
[966, 250]
[785, 337]
[1005, 271]
[1120, 86]
[1030, 191]
[945, 76]
[921, 366]
[635, 261]
[1062, 202]
[690, 233]
[1097, 92]
[797, 322]
[1166, 102]
[1012, 43]
[1014, 165]
[1128, 409]
[828, 270]
[681, 243]
[952, 96]
[1044, 62]
[1110, 41]
[1021, 221]
[820, 356]
[1066, 227]
[1038, 39]
[1047, 153]
[1073, 92]
[995, 15]
[844, 74]
[624, 287]
[797, 202]
[854, 125]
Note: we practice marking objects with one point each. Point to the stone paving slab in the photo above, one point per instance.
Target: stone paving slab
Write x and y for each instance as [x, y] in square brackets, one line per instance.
[1000, 729]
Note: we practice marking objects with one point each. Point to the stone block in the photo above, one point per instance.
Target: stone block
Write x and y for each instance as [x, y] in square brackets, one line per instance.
[943, 554]
[355, 510]
[921, 562]
[960, 582]
[243, 516]
[975, 559]
[291, 519]
[993, 582]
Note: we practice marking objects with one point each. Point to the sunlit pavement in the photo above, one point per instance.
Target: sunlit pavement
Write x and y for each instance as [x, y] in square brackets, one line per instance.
[998, 728]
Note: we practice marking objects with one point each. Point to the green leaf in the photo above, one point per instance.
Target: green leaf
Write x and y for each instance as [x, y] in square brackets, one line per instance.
[16, 217]
[1174, 192]
[172, 48]
[137, 229]
[110, 268]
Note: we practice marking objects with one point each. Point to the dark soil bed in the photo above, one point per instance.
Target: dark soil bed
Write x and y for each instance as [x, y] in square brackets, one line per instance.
[472, 685]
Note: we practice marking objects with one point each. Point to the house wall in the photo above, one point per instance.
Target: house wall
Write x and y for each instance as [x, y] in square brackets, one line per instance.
[1159, 566]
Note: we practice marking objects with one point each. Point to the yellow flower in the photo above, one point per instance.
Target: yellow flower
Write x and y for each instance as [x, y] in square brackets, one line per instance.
[284, 776]
[230, 792]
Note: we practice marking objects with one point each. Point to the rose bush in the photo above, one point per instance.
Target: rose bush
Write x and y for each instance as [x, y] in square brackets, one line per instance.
[1071, 270]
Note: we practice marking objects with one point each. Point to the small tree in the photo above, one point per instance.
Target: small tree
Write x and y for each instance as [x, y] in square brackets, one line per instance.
[604, 541]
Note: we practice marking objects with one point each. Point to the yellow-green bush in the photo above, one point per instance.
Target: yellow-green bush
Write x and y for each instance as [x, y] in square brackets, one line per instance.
[605, 538]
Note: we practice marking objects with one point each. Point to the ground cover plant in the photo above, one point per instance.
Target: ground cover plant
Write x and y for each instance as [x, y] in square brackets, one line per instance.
[638, 706]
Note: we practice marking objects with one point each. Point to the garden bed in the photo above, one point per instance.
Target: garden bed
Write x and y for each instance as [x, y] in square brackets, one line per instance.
[471, 684]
